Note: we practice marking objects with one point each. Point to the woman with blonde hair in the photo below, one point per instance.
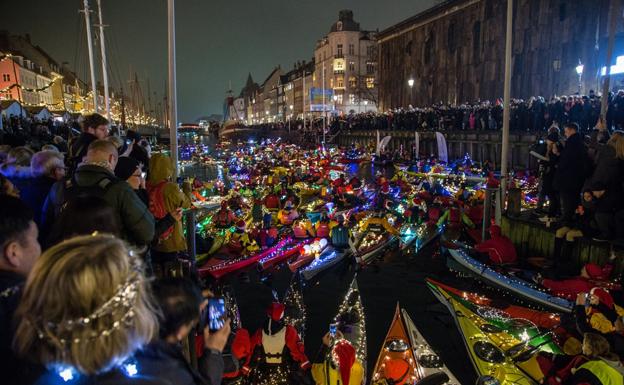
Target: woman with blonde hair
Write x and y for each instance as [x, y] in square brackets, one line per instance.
[85, 309]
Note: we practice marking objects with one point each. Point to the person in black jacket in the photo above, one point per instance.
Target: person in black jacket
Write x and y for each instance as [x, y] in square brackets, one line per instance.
[180, 302]
[94, 127]
[571, 171]
[19, 250]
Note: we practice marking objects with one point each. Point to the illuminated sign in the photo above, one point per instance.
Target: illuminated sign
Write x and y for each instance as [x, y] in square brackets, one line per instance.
[617, 68]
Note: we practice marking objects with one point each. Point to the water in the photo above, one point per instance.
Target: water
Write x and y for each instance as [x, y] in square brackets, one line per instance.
[398, 278]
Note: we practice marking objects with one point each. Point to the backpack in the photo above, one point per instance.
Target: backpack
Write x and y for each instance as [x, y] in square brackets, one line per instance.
[72, 190]
[157, 206]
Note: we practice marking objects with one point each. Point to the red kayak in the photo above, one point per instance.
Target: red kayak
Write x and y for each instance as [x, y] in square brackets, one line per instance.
[543, 319]
[218, 267]
[282, 254]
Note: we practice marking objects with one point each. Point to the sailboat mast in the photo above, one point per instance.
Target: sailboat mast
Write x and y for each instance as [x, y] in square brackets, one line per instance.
[104, 71]
[90, 47]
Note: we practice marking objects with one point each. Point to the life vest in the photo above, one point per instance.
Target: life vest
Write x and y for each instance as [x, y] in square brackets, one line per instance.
[157, 206]
[223, 218]
[301, 229]
[273, 346]
[285, 217]
[322, 229]
[605, 372]
[272, 201]
[340, 236]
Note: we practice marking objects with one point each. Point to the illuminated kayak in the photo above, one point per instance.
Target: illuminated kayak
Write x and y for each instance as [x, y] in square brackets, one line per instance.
[285, 253]
[220, 238]
[308, 253]
[509, 283]
[219, 267]
[518, 326]
[405, 356]
[328, 258]
[420, 235]
[542, 319]
[350, 320]
[497, 356]
[373, 243]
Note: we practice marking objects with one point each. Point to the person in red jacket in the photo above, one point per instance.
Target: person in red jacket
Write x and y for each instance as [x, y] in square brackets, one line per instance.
[276, 349]
[499, 248]
[570, 288]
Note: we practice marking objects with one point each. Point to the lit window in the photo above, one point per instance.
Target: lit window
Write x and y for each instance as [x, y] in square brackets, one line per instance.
[339, 50]
[351, 98]
[339, 98]
[340, 82]
[352, 82]
[352, 66]
[370, 82]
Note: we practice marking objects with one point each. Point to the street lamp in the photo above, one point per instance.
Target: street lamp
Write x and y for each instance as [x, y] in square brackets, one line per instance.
[410, 83]
[579, 71]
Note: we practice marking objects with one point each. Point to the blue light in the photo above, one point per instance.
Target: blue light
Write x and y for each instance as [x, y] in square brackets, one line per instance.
[131, 369]
[67, 373]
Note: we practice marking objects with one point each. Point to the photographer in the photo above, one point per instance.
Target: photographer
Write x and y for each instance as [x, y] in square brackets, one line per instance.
[181, 303]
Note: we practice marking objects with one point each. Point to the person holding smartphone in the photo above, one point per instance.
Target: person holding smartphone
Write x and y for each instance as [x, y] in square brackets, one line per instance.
[183, 308]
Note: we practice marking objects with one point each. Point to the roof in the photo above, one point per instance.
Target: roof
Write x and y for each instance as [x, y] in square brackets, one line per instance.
[35, 109]
[424, 17]
[7, 103]
[345, 18]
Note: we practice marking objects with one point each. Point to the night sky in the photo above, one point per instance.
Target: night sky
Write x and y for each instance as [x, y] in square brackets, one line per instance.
[217, 41]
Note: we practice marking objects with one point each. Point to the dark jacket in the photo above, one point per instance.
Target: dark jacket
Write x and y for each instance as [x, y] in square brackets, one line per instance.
[137, 223]
[608, 170]
[10, 290]
[33, 191]
[166, 361]
[572, 166]
[78, 147]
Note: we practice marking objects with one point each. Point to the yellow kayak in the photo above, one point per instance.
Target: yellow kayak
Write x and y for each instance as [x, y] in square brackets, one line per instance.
[488, 347]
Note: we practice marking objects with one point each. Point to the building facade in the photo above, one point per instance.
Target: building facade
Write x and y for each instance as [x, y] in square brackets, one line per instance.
[454, 52]
[346, 68]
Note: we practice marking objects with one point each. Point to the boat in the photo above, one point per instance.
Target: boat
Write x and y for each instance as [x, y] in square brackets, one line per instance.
[372, 243]
[420, 235]
[405, 357]
[351, 322]
[308, 253]
[294, 307]
[285, 253]
[542, 319]
[519, 287]
[328, 258]
[220, 267]
[497, 356]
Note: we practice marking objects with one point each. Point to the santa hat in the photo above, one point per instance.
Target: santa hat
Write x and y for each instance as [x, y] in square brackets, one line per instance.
[385, 189]
[240, 225]
[275, 311]
[594, 271]
[495, 231]
[343, 354]
[603, 296]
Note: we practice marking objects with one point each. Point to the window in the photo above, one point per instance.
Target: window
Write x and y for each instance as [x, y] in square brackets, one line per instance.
[338, 65]
[370, 68]
[331, 83]
[352, 82]
[339, 50]
[351, 49]
[6, 77]
[370, 82]
[476, 39]
[339, 26]
[340, 82]
[339, 98]
[352, 66]
[351, 98]
[428, 51]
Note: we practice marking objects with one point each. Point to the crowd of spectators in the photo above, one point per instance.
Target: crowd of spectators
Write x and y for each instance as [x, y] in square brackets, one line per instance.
[96, 306]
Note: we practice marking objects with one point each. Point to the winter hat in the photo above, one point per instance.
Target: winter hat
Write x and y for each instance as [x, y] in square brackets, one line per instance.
[603, 296]
[240, 225]
[594, 271]
[126, 166]
[553, 137]
[275, 311]
[343, 354]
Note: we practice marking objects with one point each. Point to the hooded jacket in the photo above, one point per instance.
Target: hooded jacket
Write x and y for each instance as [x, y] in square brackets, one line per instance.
[499, 248]
[571, 170]
[171, 197]
[137, 223]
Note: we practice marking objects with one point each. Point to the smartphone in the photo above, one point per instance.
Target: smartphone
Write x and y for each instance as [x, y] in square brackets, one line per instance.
[332, 330]
[215, 314]
[143, 175]
[128, 141]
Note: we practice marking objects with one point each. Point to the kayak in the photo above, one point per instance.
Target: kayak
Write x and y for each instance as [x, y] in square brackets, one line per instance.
[421, 235]
[283, 254]
[328, 258]
[351, 322]
[373, 243]
[509, 283]
[521, 328]
[294, 307]
[489, 347]
[218, 267]
[405, 357]
[542, 319]
[308, 253]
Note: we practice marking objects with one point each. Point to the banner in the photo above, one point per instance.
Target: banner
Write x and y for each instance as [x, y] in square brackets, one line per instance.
[442, 149]
[316, 99]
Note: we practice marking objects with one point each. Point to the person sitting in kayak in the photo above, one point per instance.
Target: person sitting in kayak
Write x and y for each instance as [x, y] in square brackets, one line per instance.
[276, 349]
[257, 209]
[272, 201]
[379, 220]
[240, 241]
[288, 214]
[596, 312]
[302, 228]
[324, 225]
[267, 235]
[355, 183]
[224, 218]
[499, 248]
[570, 288]
[337, 363]
[339, 234]
[455, 216]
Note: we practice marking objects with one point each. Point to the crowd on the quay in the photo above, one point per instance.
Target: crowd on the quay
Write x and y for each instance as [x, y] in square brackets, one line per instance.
[535, 114]
[84, 234]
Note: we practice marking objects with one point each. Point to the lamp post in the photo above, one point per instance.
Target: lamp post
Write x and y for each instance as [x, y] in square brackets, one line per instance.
[410, 83]
[579, 71]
